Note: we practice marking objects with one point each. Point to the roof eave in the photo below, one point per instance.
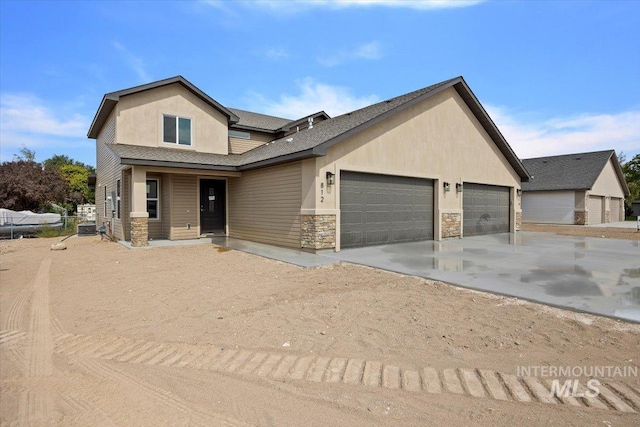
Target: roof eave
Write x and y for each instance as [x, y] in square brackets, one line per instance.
[165, 163]
[102, 113]
[619, 173]
[300, 155]
[490, 127]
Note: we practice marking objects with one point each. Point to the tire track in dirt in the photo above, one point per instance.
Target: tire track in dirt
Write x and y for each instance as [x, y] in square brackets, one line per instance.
[357, 372]
[97, 348]
[13, 322]
[36, 403]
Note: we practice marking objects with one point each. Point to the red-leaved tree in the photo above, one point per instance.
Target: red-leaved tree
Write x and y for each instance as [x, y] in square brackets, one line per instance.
[25, 185]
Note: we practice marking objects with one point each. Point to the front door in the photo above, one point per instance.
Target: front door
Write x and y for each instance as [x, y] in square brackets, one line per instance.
[212, 206]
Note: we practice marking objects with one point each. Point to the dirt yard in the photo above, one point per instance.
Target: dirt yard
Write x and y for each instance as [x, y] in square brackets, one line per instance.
[580, 230]
[198, 335]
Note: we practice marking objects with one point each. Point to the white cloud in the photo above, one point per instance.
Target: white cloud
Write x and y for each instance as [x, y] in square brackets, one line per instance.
[134, 61]
[293, 6]
[312, 97]
[27, 121]
[573, 134]
[370, 51]
[276, 53]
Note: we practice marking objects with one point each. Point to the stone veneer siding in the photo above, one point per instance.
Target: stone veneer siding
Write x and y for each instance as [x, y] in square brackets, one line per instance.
[451, 225]
[518, 220]
[607, 217]
[139, 232]
[580, 218]
[318, 231]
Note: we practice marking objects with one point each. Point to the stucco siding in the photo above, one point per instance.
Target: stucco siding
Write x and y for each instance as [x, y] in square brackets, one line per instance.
[608, 183]
[264, 205]
[184, 207]
[439, 138]
[140, 119]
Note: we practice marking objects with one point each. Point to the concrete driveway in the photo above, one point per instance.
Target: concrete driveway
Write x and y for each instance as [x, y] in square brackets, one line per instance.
[599, 276]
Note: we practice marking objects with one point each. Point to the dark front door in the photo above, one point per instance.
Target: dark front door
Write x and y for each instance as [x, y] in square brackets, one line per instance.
[212, 206]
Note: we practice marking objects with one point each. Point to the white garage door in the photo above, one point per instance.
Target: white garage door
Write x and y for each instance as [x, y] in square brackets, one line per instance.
[547, 207]
[596, 207]
[616, 208]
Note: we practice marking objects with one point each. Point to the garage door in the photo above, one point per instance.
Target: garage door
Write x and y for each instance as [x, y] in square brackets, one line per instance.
[486, 209]
[595, 209]
[616, 208]
[548, 207]
[380, 209]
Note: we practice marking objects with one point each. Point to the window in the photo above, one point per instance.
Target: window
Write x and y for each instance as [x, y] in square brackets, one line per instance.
[153, 205]
[177, 130]
[238, 134]
[105, 201]
[118, 199]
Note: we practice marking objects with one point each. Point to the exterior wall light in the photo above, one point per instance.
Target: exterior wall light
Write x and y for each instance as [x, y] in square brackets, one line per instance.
[447, 186]
[331, 178]
[458, 187]
[519, 191]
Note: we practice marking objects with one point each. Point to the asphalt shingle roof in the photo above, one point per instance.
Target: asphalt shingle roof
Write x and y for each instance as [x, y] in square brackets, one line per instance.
[259, 121]
[567, 172]
[309, 142]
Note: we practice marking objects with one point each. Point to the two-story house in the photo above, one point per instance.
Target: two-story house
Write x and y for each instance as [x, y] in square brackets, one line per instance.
[172, 163]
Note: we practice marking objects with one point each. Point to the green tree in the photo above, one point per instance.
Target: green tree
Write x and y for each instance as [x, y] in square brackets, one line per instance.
[631, 170]
[76, 174]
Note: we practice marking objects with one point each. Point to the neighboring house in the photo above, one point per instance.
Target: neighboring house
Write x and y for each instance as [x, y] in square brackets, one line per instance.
[172, 163]
[582, 188]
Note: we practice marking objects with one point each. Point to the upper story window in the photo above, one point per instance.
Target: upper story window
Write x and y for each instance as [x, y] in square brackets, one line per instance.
[177, 130]
[238, 134]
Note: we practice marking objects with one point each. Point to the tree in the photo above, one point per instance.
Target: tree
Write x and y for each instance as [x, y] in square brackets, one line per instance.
[25, 154]
[77, 177]
[631, 170]
[76, 173]
[26, 185]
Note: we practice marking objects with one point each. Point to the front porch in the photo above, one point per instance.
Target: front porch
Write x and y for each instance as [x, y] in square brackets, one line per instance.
[173, 203]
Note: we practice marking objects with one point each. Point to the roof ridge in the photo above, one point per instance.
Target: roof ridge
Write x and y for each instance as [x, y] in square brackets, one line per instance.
[571, 154]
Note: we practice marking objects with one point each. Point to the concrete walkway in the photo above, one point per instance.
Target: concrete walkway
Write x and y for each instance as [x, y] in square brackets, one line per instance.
[600, 276]
[621, 224]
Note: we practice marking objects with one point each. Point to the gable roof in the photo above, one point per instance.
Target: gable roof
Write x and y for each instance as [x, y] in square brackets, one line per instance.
[249, 120]
[110, 100]
[316, 141]
[577, 171]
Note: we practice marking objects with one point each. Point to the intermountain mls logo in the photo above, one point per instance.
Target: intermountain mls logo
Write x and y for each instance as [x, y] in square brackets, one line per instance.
[564, 379]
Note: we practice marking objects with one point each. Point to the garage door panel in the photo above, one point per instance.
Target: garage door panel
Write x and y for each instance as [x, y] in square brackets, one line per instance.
[486, 209]
[379, 209]
[596, 207]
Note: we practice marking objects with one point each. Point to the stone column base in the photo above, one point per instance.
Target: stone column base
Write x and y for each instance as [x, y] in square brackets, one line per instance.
[318, 231]
[580, 218]
[451, 224]
[607, 217]
[139, 231]
[518, 221]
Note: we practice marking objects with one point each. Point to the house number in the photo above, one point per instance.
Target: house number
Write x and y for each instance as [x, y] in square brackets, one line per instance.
[322, 192]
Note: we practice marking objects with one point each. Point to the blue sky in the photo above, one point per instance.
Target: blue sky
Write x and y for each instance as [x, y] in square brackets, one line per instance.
[556, 76]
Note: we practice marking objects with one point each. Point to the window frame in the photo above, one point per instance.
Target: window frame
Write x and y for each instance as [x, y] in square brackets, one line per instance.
[118, 199]
[177, 130]
[156, 199]
[105, 201]
[239, 134]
